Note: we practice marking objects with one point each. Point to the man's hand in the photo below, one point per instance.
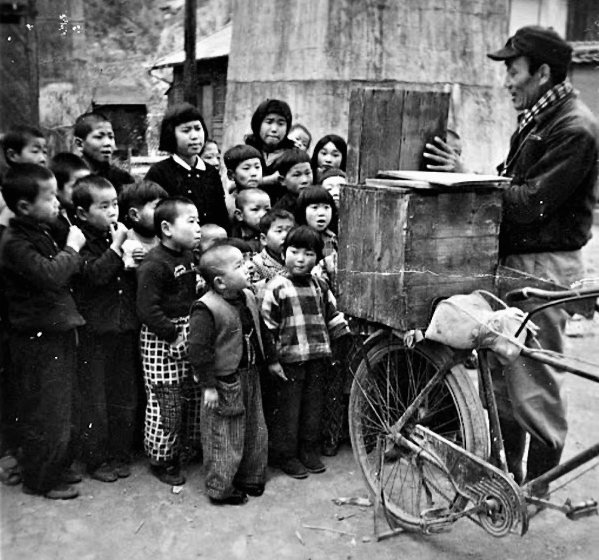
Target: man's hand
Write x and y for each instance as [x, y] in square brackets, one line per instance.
[75, 238]
[277, 369]
[210, 398]
[443, 157]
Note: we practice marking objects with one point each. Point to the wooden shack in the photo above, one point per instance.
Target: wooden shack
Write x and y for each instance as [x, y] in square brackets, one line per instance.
[212, 55]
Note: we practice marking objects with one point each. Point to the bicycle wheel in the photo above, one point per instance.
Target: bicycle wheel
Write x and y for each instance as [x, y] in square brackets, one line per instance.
[410, 485]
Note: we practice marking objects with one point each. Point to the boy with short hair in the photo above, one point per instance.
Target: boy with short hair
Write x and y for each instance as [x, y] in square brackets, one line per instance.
[105, 295]
[94, 138]
[21, 144]
[274, 227]
[295, 173]
[24, 144]
[225, 350]
[137, 203]
[244, 166]
[67, 169]
[166, 282]
[250, 206]
[44, 321]
[301, 316]
[211, 233]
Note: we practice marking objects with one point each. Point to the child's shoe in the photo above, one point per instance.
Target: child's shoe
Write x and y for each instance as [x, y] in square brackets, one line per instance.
[294, 468]
[254, 490]
[121, 468]
[10, 472]
[61, 492]
[237, 498]
[312, 462]
[104, 473]
[169, 474]
[71, 476]
[330, 448]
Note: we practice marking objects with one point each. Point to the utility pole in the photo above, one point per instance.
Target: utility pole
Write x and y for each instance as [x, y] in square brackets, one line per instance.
[190, 88]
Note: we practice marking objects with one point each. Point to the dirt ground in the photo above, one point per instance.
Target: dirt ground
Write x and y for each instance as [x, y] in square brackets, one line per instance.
[141, 518]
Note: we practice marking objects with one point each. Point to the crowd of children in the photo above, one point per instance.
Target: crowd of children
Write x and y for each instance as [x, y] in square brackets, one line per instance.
[147, 306]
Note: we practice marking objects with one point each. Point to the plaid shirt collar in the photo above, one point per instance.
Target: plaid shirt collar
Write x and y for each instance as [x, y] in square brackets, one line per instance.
[549, 98]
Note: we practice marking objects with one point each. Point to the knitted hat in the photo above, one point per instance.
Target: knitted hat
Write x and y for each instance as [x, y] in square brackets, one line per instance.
[265, 108]
[541, 43]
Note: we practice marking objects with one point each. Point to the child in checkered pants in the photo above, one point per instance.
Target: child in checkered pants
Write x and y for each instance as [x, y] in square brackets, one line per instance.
[301, 316]
[166, 282]
[225, 350]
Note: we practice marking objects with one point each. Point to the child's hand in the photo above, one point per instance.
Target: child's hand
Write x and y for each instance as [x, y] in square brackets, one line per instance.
[277, 369]
[118, 232]
[139, 254]
[75, 238]
[274, 179]
[178, 341]
[210, 398]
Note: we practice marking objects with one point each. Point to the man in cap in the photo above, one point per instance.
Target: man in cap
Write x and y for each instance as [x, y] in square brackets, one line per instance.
[547, 218]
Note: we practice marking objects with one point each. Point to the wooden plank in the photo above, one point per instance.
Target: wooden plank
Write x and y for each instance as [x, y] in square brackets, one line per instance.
[456, 215]
[388, 128]
[424, 115]
[354, 134]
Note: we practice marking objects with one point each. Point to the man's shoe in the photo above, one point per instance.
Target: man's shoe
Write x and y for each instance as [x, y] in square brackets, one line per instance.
[312, 463]
[237, 498]
[294, 469]
[253, 490]
[60, 492]
[104, 473]
[170, 474]
[122, 469]
[71, 476]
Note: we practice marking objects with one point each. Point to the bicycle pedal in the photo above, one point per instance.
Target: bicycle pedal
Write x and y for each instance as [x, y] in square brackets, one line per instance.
[583, 509]
[435, 520]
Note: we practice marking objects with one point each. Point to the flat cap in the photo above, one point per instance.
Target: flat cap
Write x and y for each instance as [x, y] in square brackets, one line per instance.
[542, 43]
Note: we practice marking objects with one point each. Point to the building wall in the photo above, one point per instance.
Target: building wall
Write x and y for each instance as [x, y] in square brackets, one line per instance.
[320, 49]
[549, 13]
[585, 78]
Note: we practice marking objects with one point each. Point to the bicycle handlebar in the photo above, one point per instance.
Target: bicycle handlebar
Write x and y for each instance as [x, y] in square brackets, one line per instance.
[523, 294]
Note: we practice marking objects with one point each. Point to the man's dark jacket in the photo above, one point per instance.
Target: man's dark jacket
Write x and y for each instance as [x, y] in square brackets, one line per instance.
[553, 165]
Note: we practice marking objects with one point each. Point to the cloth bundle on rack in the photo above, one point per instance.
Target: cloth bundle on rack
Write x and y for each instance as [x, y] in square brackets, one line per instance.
[469, 322]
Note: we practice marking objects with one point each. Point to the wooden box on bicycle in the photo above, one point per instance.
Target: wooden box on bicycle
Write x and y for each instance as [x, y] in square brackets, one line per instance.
[404, 244]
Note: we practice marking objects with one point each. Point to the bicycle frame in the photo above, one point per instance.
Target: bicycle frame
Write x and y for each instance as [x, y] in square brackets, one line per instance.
[497, 448]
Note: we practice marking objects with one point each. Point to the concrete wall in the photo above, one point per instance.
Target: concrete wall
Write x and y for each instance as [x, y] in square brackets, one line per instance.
[312, 52]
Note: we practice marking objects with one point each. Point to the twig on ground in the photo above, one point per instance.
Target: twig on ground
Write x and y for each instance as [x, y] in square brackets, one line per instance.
[316, 528]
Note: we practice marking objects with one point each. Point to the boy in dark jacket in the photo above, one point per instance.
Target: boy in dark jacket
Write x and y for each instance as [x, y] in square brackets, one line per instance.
[108, 357]
[44, 322]
[166, 281]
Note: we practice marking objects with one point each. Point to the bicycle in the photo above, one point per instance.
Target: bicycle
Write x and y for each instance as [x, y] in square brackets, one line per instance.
[429, 451]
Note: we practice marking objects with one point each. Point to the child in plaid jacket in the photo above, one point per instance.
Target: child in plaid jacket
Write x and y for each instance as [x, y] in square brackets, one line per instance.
[301, 316]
